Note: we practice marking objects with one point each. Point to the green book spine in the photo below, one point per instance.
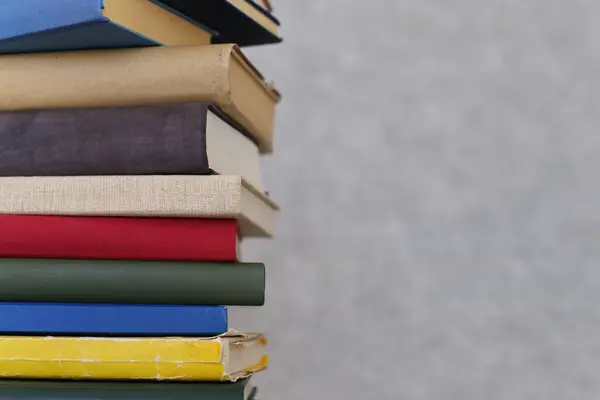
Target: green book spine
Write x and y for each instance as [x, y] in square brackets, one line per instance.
[132, 282]
[63, 390]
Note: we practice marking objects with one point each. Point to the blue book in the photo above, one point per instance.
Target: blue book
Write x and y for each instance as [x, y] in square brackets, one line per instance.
[69, 319]
[54, 25]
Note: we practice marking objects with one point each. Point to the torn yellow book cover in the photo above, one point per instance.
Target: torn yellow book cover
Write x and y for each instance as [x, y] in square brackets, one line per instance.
[228, 357]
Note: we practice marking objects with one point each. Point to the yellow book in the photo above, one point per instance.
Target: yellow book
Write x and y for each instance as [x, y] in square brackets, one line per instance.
[227, 357]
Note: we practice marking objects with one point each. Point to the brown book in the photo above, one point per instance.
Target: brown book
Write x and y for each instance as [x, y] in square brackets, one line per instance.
[216, 74]
[155, 22]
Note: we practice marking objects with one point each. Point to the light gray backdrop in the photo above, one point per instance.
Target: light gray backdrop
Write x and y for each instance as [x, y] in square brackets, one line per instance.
[437, 163]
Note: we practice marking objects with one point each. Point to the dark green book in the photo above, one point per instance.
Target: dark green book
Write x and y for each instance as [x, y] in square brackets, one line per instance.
[131, 282]
[73, 390]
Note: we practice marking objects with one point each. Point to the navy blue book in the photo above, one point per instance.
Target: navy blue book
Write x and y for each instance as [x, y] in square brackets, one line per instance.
[243, 22]
[44, 25]
[69, 319]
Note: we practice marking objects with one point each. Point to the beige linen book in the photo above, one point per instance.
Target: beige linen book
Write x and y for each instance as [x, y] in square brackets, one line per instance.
[218, 74]
[174, 196]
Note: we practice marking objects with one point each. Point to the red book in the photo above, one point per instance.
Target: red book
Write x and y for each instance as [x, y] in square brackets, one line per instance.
[32, 236]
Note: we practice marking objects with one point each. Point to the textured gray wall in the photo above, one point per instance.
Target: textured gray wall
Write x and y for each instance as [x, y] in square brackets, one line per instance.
[437, 164]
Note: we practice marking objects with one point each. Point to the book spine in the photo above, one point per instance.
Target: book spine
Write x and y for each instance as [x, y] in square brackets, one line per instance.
[84, 369]
[116, 78]
[161, 140]
[40, 319]
[123, 195]
[33, 236]
[181, 359]
[131, 282]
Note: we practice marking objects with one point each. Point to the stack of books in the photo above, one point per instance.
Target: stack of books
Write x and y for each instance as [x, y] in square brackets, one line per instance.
[130, 140]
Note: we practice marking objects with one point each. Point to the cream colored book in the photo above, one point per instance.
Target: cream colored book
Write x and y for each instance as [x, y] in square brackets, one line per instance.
[217, 74]
[174, 196]
[230, 153]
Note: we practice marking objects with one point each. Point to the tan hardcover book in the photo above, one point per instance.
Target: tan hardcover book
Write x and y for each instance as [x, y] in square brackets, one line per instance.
[218, 74]
[174, 196]
[155, 22]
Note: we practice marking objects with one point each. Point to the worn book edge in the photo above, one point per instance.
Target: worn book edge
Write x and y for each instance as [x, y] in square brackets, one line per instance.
[227, 357]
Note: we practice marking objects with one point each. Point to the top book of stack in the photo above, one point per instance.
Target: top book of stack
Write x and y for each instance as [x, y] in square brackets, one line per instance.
[61, 25]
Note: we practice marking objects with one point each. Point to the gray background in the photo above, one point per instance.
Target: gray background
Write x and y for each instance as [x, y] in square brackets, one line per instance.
[437, 165]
